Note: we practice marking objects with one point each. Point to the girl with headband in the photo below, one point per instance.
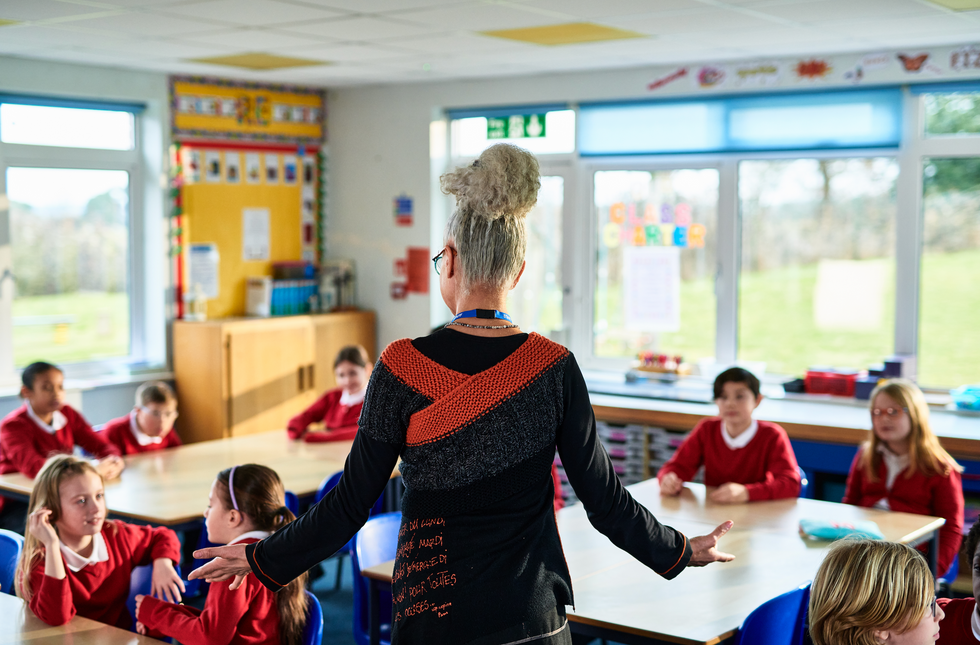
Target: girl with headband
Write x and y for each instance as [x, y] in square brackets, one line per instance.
[247, 503]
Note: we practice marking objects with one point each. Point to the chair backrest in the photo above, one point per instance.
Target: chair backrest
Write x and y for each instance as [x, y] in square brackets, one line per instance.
[375, 543]
[804, 483]
[313, 632]
[780, 621]
[11, 544]
[292, 502]
[949, 576]
[140, 582]
[331, 482]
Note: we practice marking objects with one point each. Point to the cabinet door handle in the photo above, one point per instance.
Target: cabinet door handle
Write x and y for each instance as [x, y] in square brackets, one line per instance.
[299, 373]
[311, 376]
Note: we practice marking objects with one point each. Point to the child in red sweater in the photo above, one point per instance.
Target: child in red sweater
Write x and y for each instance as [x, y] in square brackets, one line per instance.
[339, 408]
[246, 504]
[150, 425]
[44, 426]
[75, 561]
[903, 468]
[961, 626]
[746, 460]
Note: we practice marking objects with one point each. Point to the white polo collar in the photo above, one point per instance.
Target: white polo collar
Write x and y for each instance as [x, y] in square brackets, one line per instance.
[741, 440]
[894, 464]
[76, 562]
[258, 535]
[352, 399]
[142, 438]
[58, 420]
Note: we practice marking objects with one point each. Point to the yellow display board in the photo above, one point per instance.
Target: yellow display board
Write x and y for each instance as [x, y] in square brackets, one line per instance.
[217, 208]
[213, 109]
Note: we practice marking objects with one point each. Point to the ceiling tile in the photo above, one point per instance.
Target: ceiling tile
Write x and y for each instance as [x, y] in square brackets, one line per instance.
[154, 48]
[245, 39]
[252, 13]
[484, 17]
[609, 8]
[687, 22]
[144, 24]
[350, 53]
[59, 36]
[894, 28]
[828, 10]
[381, 6]
[565, 34]
[460, 42]
[259, 61]
[364, 28]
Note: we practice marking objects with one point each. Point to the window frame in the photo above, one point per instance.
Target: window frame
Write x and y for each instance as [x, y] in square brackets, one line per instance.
[138, 263]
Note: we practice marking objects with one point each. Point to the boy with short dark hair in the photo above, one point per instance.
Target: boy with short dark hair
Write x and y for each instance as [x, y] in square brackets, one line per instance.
[744, 459]
[149, 425]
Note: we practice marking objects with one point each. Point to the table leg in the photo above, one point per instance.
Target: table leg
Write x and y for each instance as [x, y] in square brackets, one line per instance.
[933, 551]
[374, 612]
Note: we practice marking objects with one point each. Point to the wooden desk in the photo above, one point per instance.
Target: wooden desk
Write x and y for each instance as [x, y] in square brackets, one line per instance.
[19, 625]
[171, 487]
[619, 599]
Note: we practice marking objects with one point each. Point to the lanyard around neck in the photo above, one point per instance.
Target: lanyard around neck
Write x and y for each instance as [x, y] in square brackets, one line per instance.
[483, 313]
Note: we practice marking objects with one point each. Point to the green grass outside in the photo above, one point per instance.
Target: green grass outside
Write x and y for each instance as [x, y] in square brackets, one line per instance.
[100, 329]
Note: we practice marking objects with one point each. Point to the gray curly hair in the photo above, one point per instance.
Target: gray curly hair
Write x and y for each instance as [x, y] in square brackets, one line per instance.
[493, 198]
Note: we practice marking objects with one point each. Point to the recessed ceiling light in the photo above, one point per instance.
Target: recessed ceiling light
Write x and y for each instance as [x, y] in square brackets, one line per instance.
[958, 5]
[571, 33]
[259, 60]
[5, 23]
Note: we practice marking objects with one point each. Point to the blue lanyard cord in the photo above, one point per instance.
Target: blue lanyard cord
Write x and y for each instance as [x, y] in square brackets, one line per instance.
[483, 313]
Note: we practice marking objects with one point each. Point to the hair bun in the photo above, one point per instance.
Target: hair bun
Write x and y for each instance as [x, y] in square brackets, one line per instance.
[503, 181]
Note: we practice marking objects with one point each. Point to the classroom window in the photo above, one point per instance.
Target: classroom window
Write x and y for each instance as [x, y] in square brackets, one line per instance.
[952, 113]
[816, 284]
[553, 135]
[655, 267]
[70, 238]
[949, 346]
[536, 303]
[41, 125]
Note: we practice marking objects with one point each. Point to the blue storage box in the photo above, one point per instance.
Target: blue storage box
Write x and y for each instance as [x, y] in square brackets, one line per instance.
[966, 397]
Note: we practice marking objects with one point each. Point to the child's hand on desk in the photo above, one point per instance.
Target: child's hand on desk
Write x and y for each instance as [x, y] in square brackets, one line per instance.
[704, 549]
[671, 484]
[165, 583]
[729, 494]
[110, 467]
[228, 562]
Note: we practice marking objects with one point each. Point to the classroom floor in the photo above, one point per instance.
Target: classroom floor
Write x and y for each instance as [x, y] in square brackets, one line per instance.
[338, 606]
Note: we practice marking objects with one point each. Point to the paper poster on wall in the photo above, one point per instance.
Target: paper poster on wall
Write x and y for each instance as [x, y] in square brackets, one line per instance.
[233, 170]
[403, 211]
[253, 170]
[289, 171]
[652, 288]
[203, 260]
[309, 171]
[255, 234]
[192, 166]
[271, 169]
[212, 166]
[756, 74]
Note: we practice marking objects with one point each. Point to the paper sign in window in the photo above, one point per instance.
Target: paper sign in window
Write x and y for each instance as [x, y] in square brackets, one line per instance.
[652, 288]
[849, 295]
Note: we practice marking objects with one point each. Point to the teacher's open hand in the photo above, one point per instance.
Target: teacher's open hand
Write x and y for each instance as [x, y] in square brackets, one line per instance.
[228, 562]
[704, 547]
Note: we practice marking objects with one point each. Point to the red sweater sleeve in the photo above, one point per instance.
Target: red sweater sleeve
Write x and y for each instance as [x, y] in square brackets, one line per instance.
[855, 481]
[689, 457]
[216, 624]
[149, 543]
[782, 472]
[947, 502]
[18, 449]
[297, 426]
[52, 601]
[84, 436]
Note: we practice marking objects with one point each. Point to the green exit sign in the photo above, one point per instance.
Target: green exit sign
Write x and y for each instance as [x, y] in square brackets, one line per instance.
[517, 126]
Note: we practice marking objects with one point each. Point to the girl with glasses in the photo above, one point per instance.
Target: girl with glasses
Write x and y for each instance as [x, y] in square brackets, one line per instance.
[903, 468]
[868, 592]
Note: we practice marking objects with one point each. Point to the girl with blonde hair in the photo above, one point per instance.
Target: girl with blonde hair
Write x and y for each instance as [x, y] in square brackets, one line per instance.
[475, 411]
[75, 561]
[869, 592]
[903, 468]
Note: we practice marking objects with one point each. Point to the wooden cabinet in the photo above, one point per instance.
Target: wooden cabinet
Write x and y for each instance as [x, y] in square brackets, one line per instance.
[242, 376]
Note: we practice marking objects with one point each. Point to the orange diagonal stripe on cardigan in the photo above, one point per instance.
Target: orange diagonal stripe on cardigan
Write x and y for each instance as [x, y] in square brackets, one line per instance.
[458, 398]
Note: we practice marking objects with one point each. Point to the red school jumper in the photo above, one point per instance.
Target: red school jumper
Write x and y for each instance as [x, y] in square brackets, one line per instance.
[25, 446]
[99, 591]
[955, 628]
[766, 465]
[119, 432]
[340, 420]
[938, 495]
[246, 616]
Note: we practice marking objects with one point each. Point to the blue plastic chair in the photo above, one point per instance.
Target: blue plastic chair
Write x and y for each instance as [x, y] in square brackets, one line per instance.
[292, 503]
[199, 586]
[780, 621]
[804, 483]
[325, 487]
[950, 576]
[140, 582]
[376, 542]
[11, 544]
[313, 632]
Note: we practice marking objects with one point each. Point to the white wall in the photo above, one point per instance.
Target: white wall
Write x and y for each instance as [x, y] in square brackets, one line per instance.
[379, 148]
